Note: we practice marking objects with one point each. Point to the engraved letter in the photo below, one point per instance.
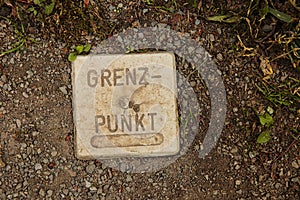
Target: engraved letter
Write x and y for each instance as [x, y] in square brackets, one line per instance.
[139, 122]
[105, 77]
[109, 124]
[131, 76]
[92, 81]
[152, 120]
[128, 123]
[117, 77]
[143, 80]
[97, 123]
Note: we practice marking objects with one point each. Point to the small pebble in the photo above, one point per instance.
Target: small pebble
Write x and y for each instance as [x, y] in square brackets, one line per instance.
[4, 78]
[38, 166]
[90, 168]
[219, 57]
[2, 163]
[63, 89]
[106, 187]
[239, 192]
[88, 184]
[277, 185]
[25, 95]
[295, 164]
[234, 150]
[206, 177]
[145, 11]
[49, 193]
[267, 28]
[193, 83]
[215, 192]
[296, 179]
[35, 133]
[128, 189]
[128, 178]
[18, 122]
[42, 192]
[93, 188]
[12, 60]
[29, 74]
[211, 37]
[66, 191]
[252, 154]
[53, 153]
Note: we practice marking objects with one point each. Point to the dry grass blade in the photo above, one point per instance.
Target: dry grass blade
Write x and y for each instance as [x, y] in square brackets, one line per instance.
[294, 3]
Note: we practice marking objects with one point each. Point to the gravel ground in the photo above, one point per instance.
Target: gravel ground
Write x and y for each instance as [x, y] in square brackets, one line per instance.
[37, 140]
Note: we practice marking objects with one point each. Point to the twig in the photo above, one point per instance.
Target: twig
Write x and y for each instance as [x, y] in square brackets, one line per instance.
[269, 35]
[280, 156]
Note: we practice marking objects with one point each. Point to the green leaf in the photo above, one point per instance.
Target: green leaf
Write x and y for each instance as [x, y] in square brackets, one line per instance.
[72, 57]
[31, 9]
[37, 2]
[129, 49]
[225, 18]
[192, 3]
[171, 9]
[218, 18]
[270, 110]
[280, 15]
[266, 119]
[232, 19]
[263, 137]
[263, 12]
[49, 8]
[79, 49]
[87, 48]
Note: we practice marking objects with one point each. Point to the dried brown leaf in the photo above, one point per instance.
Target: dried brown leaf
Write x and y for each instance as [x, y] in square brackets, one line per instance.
[265, 66]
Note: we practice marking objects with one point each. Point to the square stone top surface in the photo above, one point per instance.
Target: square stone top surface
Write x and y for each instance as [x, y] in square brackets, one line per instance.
[125, 105]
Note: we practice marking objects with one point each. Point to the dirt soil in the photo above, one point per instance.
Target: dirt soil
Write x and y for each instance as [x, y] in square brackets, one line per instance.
[37, 159]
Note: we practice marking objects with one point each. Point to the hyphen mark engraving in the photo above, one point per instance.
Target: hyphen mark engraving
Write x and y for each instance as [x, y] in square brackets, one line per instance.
[156, 76]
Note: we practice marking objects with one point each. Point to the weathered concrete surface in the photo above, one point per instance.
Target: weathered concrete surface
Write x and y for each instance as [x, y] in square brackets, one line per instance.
[125, 105]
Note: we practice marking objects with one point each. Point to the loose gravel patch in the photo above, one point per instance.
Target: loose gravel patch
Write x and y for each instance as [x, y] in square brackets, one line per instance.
[37, 139]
